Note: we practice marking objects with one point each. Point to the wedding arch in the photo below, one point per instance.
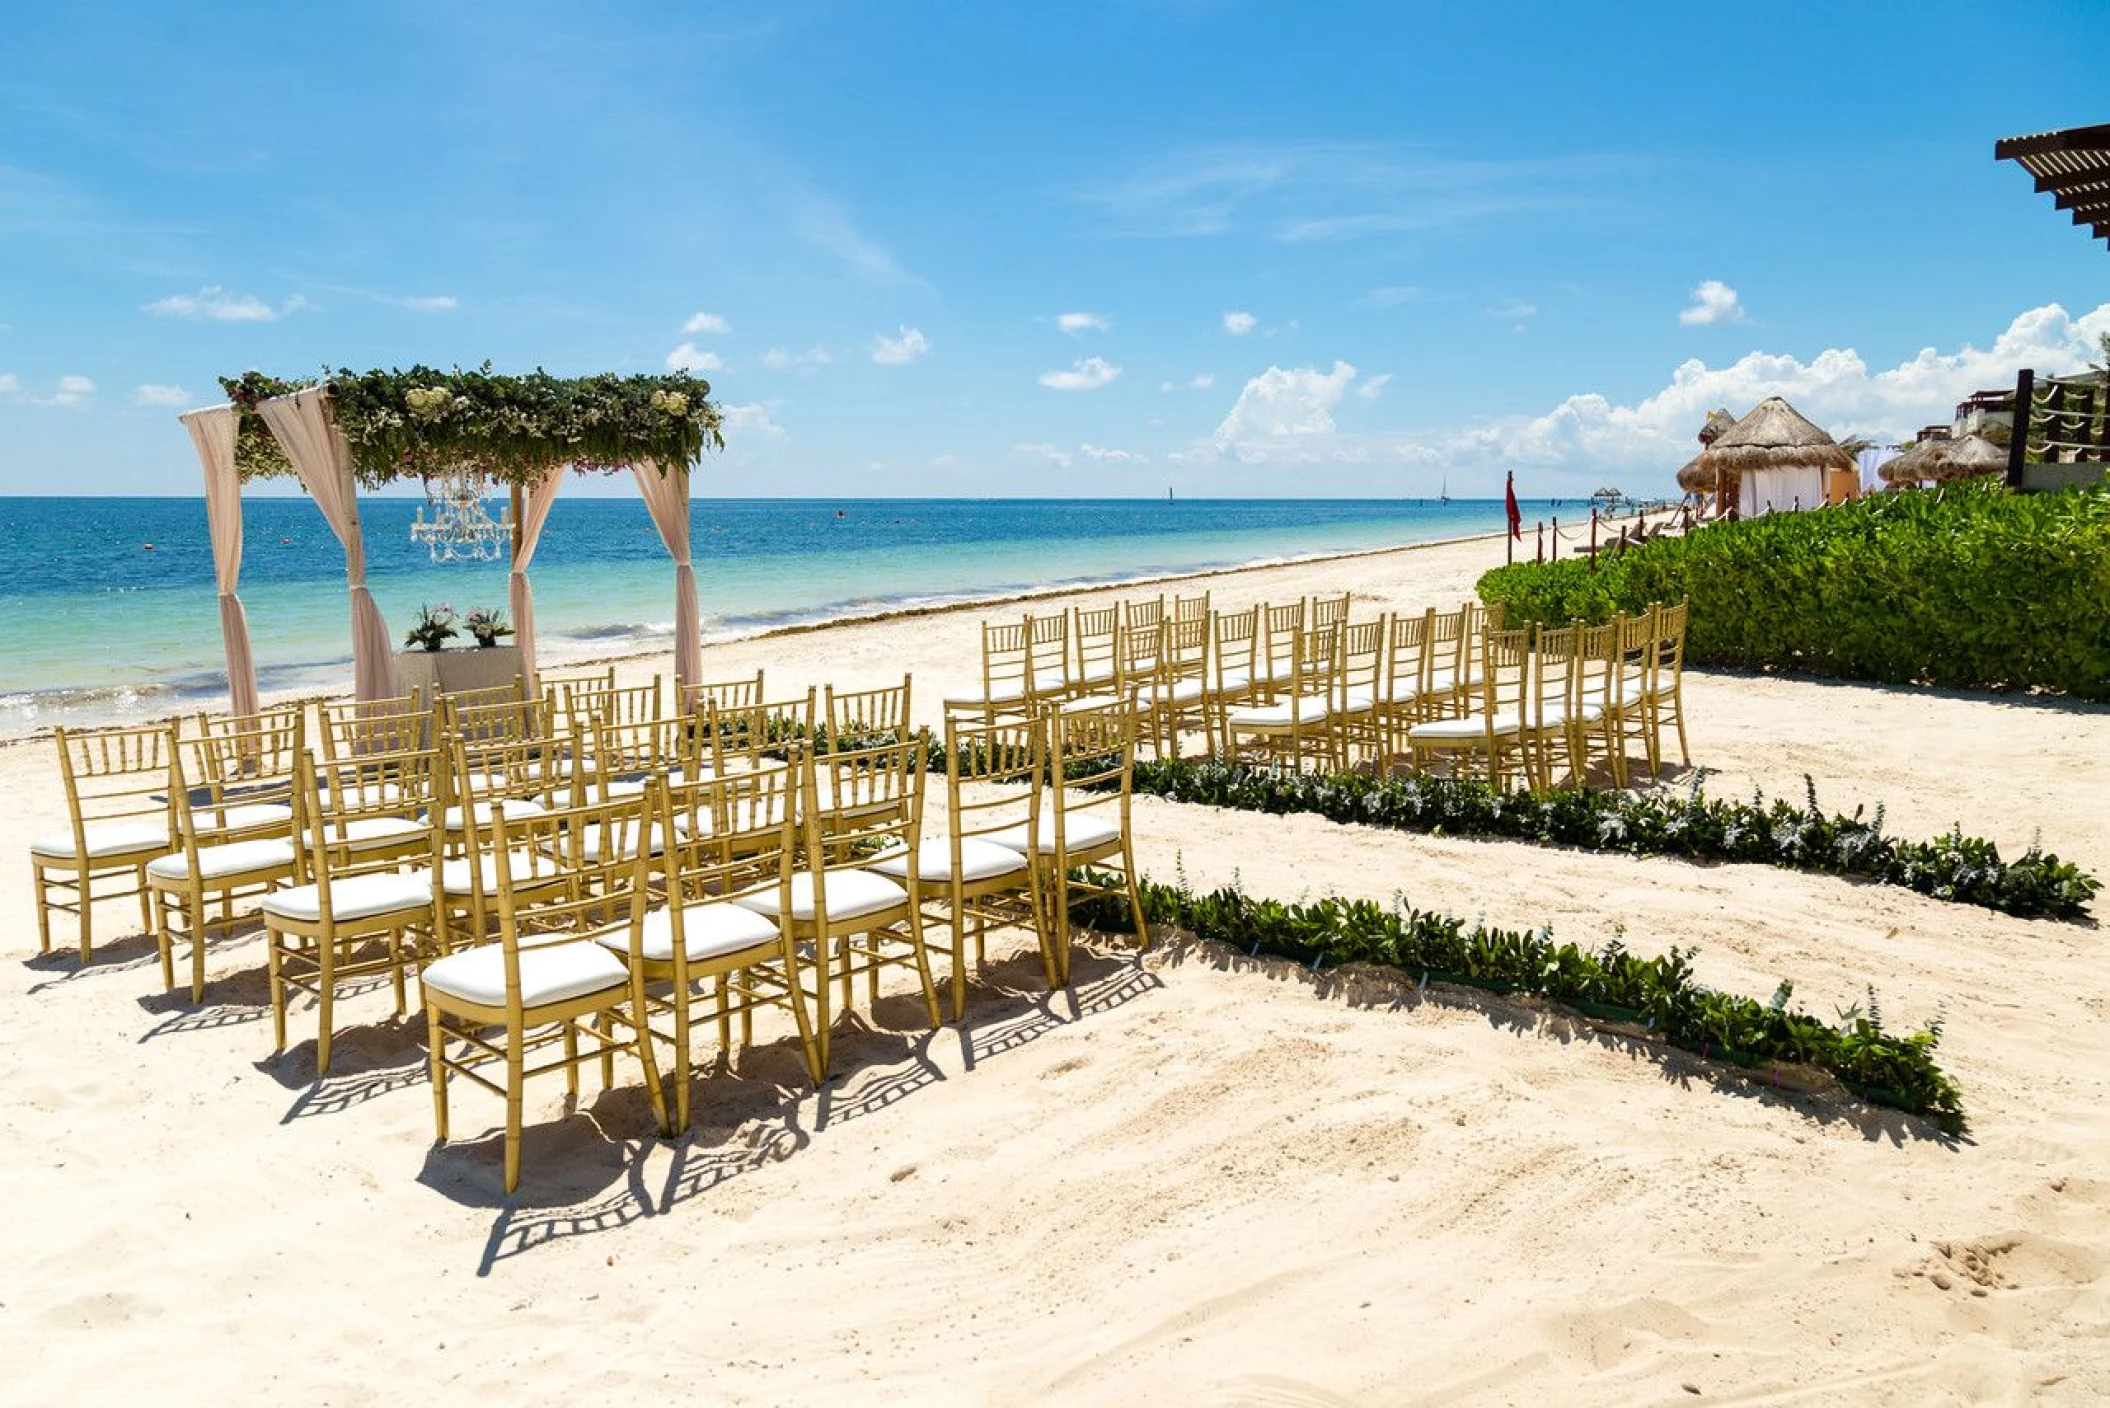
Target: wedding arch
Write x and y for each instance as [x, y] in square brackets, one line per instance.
[350, 430]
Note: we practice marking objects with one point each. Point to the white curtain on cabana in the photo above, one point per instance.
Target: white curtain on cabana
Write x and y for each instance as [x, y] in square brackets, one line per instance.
[212, 434]
[666, 495]
[520, 595]
[301, 424]
[1779, 490]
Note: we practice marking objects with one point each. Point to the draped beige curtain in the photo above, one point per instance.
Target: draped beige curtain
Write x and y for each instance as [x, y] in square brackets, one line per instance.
[667, 498]
[212, 433]
[520, 595]
[301, 424]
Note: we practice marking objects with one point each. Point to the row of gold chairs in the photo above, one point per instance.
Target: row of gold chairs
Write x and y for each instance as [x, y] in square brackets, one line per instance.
[570, 891]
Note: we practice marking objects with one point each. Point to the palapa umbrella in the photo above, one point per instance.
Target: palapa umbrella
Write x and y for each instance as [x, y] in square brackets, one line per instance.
[1909, 467]
[1777, 438]
[1965, 457]
[1694, 480]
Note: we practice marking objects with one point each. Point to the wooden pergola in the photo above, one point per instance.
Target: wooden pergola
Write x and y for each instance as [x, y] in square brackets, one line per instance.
[2073, 166]
[348, 430]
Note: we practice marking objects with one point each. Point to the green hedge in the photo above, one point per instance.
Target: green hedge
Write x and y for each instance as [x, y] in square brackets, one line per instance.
[1962, 869]
[1969, 586]
[1608, 983]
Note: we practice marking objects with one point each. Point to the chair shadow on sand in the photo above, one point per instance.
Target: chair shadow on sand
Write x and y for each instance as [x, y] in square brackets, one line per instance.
[587, 1172]
[1825, 1102]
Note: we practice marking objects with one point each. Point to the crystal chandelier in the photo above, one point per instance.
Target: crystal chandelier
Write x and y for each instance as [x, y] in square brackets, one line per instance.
[460, 529]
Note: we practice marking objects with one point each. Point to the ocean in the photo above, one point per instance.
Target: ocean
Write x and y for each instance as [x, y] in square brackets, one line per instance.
[97, 627]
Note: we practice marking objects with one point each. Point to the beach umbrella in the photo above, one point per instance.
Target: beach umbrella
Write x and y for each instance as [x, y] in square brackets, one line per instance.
[1717, 422]
[1910, 467]
[1965, 457]
[1694, 480]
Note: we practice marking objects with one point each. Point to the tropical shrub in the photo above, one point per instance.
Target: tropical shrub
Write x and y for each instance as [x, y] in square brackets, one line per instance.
[1958, 868]
[1657, 994]
[1967, 586]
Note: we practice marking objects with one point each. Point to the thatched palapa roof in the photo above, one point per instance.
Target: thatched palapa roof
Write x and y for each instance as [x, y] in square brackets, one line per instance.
[1717, 423]
[1774, 436]
[1965, 457]
[1694, 480]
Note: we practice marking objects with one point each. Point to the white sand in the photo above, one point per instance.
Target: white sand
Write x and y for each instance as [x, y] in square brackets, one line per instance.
[1198, 1178]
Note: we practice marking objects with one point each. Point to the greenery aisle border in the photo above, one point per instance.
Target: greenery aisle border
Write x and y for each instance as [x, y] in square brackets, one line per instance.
[1658, 995]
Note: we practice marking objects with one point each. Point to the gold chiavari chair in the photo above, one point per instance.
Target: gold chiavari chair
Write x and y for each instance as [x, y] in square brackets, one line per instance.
[555, 687]
[856, 716]
[730, 694]
[1143, 613]
[1330, 610]
[353, 728]
[1633, 678]
[1047, 656]
[1666, 696]
[970, 881]
[226, 850]
[548, 980]
[120, 817]
[1094, 651]
[488, 778]
[1085, 821]
[1139, 669]
[1233, 644]
[1291, 718]
[1403, 693]
[447, 701]
[1452, 686]
[1006, 681]
[620, 756]
[368, 862]
[858, 921]
[1356, 683]
[1593, 709]
[758, 736]
[1194, 607]
[1275, 644]
[1493, 732]
[250, 761]
[1553, 720]
[703, 956]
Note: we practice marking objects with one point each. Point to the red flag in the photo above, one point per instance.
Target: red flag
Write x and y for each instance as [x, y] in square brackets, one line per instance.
[1516, 515]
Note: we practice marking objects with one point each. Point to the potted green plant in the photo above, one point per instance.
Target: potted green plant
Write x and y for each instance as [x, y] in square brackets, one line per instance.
[487, 624]
[434, 627]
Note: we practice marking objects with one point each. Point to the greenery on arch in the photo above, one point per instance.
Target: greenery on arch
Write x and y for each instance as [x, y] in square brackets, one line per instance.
[410, 424]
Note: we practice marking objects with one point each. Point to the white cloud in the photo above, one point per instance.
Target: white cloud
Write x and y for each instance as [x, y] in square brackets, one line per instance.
[690, 358]
[706, 322]
[1089, 374]
[433, 303]
[783, 359]
[10, 386]
[1392, 296]
[824, 226]
[1060, 458]
[70, 391]
[1074, 323]
[1516, 308]
[1281, 407]
[216, 304]
[1107, 456]
[1712, 302]
[1375, 387]
[1200, 381]
[1591, 434]
[155, 394]
[750, 421]
[900, 351]
[1238, 324]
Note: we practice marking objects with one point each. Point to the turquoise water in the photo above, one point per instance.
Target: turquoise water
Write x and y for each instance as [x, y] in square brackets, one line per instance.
[94, 625]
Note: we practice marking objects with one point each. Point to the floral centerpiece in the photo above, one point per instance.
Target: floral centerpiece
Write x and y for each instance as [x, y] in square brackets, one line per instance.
[487, 624]
[434, 627]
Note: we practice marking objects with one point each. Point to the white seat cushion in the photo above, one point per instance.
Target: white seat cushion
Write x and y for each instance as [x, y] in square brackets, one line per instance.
[456, 877]
[105, 838]
[354, 897]
[1092, 701]
[1626, 692]
[708, 930]
[626, 838]
[1358, 701]
[221, 862]
[1471, 726]
[246, 816]
[979, 860]
[1230, 682]
[1081, 831]
[1440, 682]
[373, 832]
[849, 893]
[1177, 692]
[1096, 672]
[1306, 710]
[508, 807]
[1004, 694]
[555, 973]
[1589, 711]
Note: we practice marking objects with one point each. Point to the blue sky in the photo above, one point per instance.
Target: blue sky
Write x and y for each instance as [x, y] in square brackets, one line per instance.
[1093, 248]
